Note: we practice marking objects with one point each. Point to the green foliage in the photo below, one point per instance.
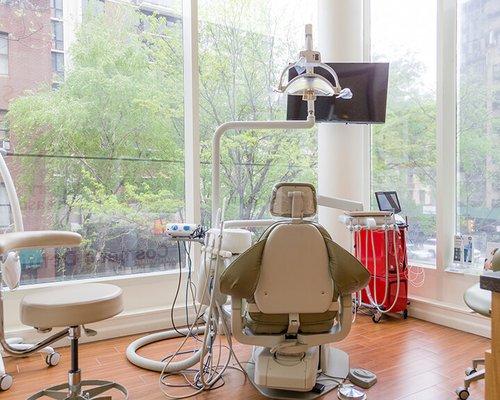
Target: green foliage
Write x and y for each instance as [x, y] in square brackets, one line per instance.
[122, 98]
[404, 148]
[239, 66]
[117, 120]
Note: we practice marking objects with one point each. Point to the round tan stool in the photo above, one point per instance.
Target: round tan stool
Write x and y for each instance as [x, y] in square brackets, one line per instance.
[72, 307]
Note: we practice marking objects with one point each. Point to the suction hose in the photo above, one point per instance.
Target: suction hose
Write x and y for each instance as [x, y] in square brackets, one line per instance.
[159, 366]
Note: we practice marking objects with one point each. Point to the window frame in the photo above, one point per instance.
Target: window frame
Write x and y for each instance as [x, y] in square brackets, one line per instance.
[57, 25]
[446, 129]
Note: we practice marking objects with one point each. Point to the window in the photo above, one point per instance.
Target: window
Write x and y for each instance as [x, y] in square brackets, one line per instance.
[243, 48]
[5, 217]
[404, 148]
[4, 53]
[103, 154]
[57, 35]
[58, 63]
[496, 72]
[4, 130]
[478, 116]
[57, 8]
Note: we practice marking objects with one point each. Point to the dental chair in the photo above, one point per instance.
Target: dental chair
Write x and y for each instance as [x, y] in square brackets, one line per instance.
[291, 295]
[70, 307]
[478, 300]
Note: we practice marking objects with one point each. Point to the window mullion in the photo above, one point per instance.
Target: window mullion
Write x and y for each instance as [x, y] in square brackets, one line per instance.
[446, 131]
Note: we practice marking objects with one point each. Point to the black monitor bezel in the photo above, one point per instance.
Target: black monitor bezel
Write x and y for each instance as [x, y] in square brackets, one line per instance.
[386, 194]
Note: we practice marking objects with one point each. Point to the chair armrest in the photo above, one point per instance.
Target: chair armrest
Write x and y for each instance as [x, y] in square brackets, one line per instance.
[38, 239]
[339, 331]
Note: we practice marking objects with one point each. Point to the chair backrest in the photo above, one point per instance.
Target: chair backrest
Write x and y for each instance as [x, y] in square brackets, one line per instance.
[294, 276]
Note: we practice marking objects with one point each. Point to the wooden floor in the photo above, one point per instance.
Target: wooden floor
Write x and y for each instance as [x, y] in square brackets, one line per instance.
[414, 360]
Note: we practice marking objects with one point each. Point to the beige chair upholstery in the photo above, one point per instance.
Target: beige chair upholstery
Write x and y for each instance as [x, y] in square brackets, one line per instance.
[294, 272]
[71, 306]
[295, 268]
[37, 239]
[478, 300]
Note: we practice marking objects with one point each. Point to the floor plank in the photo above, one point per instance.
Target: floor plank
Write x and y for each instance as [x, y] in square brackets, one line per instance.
[414, 360]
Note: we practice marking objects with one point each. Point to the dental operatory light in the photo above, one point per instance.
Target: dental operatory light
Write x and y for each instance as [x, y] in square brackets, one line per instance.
[308, 83]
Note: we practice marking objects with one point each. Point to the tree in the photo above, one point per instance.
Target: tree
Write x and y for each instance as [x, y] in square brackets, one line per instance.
[239, 66]
[117, 122]
[404, 148]
[113, 129]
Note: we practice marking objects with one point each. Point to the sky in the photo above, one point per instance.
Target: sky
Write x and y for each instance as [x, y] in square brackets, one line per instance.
[397, 26]
[406, 26]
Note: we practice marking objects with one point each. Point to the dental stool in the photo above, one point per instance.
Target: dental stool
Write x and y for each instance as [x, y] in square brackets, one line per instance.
[291, 295]
[71, 307]
[478, 300]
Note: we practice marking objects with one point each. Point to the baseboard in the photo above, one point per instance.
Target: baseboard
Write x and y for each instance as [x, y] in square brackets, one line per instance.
[449, 315]
[125, 324]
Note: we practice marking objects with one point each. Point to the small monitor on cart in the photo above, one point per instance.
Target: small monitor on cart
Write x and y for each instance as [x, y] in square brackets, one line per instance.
[388, 201]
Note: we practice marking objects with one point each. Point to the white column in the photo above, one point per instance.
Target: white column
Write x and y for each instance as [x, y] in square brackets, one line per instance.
[191, 112]
[342, 157]
[192, 182]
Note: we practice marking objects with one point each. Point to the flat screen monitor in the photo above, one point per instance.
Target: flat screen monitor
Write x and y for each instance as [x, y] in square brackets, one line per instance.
[388, 201]
[368, 83]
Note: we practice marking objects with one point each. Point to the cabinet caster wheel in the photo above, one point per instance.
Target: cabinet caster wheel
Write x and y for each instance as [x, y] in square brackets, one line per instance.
[470, 371]
[5, 382]
[462, 393]
[52, 359]
[376, 318]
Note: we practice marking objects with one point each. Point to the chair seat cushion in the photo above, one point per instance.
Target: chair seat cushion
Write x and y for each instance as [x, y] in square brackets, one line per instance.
[272, 324]
[479, 300]
[71, 305]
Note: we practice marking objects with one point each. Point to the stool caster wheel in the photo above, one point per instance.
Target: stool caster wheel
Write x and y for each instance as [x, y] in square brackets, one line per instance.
[5, 382]
[470, 371]
[376, 317]
[52, 359]
[405, 314]
[462, 393]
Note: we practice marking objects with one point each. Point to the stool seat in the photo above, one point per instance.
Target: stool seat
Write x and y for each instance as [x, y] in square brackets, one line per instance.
[478, 300]
[71, 305]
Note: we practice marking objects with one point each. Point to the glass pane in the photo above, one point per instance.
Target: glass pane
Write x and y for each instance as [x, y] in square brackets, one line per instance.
[244, 46]
[4, 54]
[57, 35]
[58, 64]
[4, 44]
[478, 133]
[404, 148]
[57, 8]
[103, 155]
[4, 65]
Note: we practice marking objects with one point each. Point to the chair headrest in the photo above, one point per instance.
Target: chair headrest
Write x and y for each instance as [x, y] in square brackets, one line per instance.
[294, 200]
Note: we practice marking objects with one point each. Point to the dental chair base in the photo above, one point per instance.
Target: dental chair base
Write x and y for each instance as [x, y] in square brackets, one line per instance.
[295, 376]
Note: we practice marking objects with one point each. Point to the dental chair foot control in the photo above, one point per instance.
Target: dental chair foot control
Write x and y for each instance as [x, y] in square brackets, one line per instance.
[5, 382]
[318, 388]
[363, 378]
[349, 392]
